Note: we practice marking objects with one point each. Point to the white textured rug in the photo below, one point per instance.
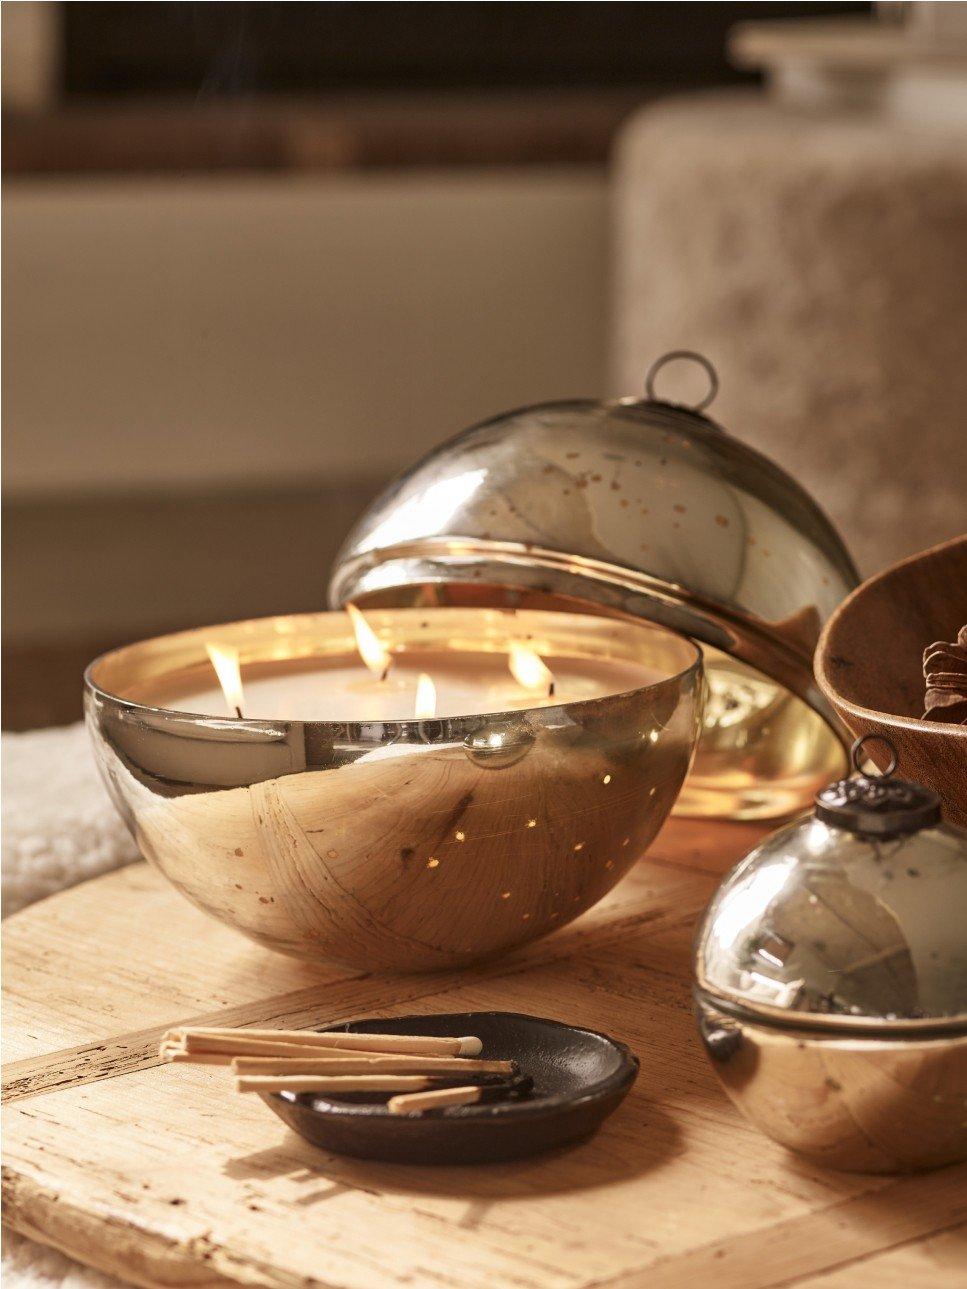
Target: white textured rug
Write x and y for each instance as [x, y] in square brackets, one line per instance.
[58, 829]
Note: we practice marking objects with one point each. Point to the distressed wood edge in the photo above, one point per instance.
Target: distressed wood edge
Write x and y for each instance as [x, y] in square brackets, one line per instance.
[922, 1205]
[126, 1249]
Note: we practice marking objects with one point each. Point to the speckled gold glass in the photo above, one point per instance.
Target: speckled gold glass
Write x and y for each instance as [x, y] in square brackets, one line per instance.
[406, 845]
[638, 509]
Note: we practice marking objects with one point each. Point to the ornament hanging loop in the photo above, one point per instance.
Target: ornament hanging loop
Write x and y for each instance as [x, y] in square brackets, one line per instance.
[688, 355]
[856, 754]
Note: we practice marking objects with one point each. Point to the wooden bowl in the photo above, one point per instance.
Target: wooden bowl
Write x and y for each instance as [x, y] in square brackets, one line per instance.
[869, 664]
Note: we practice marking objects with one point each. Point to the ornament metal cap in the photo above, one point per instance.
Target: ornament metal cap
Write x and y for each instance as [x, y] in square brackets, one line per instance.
[877, 805]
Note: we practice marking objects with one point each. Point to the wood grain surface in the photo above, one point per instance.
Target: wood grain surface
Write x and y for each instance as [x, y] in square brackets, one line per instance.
[163, 1176]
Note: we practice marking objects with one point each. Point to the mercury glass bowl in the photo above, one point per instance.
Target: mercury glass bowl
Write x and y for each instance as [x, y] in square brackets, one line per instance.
[406, 845]
[648, 510]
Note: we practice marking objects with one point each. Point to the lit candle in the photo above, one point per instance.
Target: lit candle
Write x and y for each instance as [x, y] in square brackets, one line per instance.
[377, 684]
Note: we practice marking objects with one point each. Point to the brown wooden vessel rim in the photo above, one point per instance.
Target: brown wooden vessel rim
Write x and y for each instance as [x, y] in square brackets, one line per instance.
[944, 729]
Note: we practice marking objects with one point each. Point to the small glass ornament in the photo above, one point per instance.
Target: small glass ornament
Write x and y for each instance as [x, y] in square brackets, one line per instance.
[831, 979]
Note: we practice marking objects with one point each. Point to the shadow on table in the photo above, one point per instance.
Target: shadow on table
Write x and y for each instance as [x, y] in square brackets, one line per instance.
[618, 1151]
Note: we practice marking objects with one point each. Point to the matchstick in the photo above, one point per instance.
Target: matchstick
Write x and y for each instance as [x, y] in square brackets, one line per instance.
[346, 1083]
[239, 1044]
[403, 1044]
[224, 1053]
[371, 1065]
[329, 1060]
[228, 1046]
[175, 1056]
[439, 1098]
[417, 1102]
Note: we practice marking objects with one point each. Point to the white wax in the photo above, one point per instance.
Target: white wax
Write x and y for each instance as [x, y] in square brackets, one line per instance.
[467, 684]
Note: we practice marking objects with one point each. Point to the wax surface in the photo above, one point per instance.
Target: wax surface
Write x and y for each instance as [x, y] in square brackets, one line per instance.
[467, 684]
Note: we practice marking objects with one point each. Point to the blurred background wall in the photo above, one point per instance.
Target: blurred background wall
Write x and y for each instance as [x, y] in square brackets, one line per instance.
[261, 256]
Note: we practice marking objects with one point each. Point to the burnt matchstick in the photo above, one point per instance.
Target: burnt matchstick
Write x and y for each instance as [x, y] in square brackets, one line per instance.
[333, 1085]
[441, 1098]
[363, 1064]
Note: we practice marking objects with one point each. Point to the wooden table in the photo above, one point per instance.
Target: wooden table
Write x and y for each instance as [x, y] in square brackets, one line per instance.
[163, 1176]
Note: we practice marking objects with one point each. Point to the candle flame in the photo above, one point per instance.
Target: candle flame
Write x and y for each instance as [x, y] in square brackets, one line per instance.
[225, 661]
[529, 669]
[425, 705]
[376, 658]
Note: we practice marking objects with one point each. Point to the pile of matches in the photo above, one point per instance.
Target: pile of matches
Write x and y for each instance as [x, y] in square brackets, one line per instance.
[416, 1073]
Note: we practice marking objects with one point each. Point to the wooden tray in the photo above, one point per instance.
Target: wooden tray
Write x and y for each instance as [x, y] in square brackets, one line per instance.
[163, 1176]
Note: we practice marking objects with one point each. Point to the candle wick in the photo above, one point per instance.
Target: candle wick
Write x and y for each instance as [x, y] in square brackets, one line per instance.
[551, 689]
[238, 712]
[385, 671]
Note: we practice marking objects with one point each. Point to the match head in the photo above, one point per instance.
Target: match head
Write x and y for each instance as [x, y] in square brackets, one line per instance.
[470, 1047]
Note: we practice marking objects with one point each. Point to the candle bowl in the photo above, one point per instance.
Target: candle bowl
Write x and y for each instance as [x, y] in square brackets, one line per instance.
[403, 844]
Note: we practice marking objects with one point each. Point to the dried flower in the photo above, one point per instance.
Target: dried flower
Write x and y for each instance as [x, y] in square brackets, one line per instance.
[945, 671]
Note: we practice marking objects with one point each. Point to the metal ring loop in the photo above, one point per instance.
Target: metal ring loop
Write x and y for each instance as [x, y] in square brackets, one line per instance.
[703, 362]
[857, 749]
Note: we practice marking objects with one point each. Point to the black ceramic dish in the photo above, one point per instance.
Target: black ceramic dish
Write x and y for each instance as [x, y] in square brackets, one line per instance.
[579, 1078]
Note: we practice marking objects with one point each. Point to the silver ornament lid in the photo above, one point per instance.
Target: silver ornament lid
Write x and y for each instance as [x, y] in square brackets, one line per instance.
[850, 919]
[634, 506]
